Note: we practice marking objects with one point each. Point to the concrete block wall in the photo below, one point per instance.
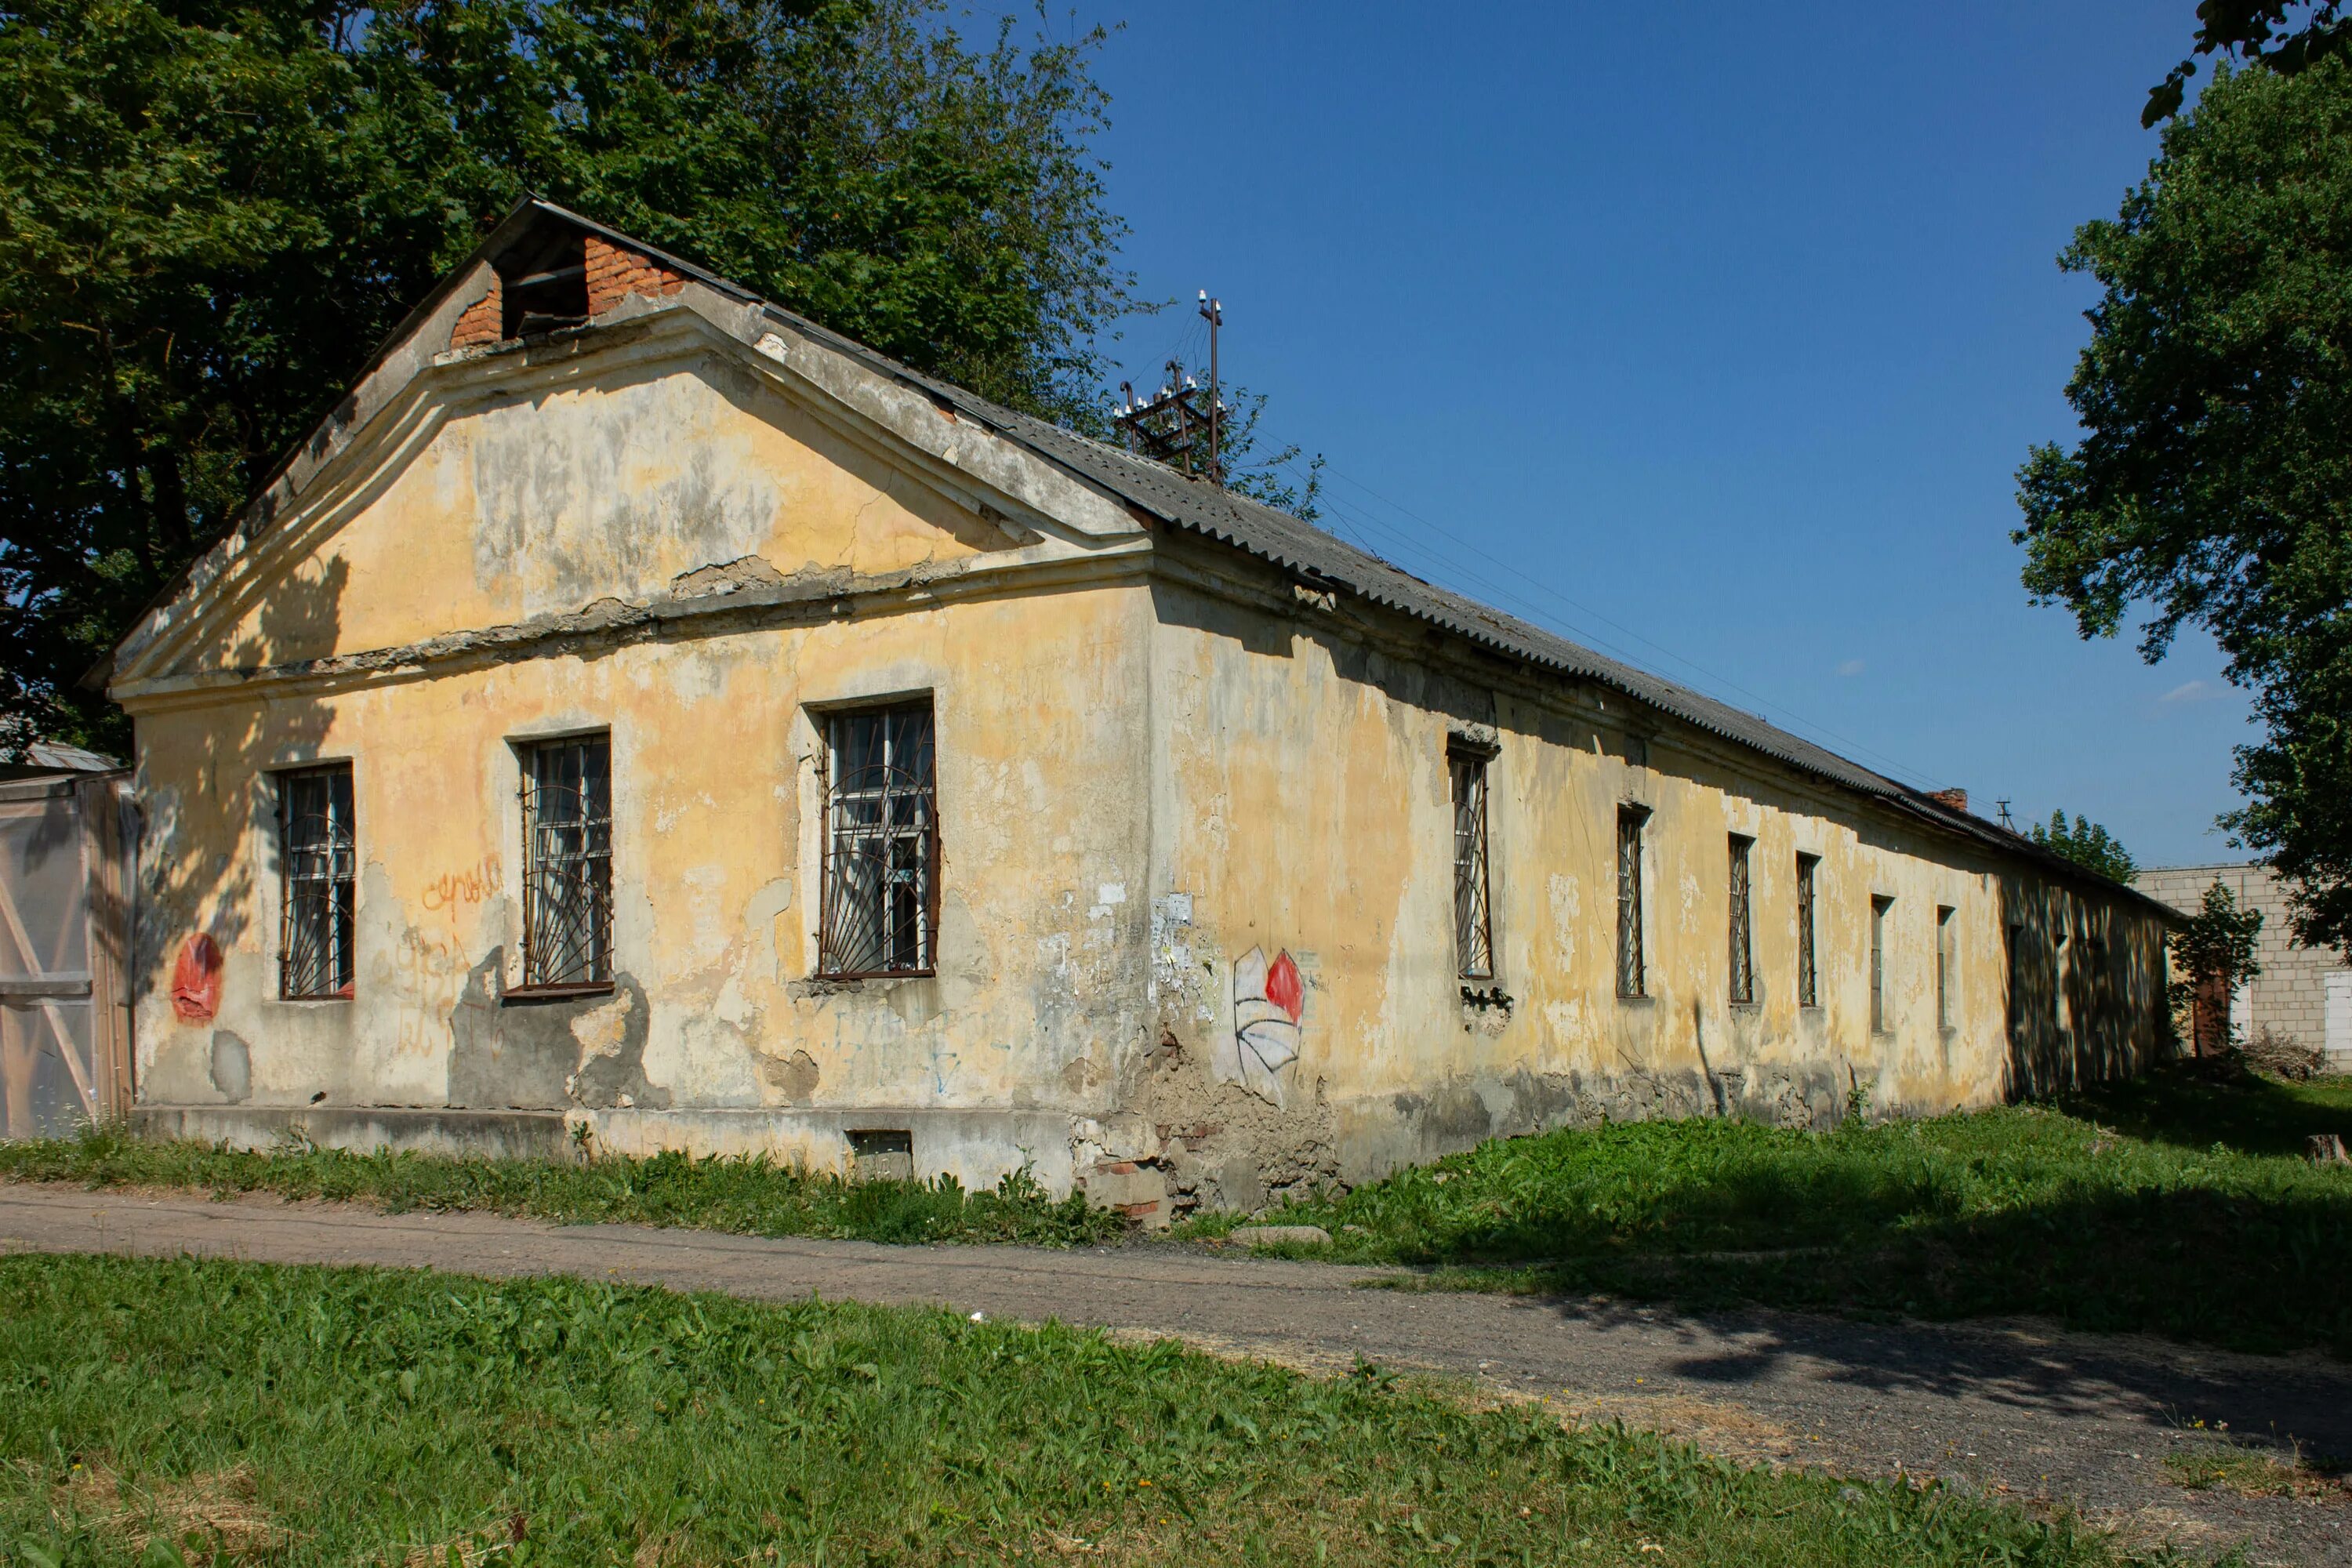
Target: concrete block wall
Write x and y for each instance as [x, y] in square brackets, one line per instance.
[2290, 996]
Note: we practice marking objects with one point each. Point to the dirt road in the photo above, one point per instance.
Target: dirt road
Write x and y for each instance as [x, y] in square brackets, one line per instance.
[2040, 1415]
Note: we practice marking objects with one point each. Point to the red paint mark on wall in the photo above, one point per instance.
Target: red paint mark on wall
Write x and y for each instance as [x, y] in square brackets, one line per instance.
[196, 979]
[1283, 987]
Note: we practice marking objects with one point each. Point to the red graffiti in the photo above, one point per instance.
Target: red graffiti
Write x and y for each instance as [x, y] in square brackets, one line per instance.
[196, 979]
[1283, 987]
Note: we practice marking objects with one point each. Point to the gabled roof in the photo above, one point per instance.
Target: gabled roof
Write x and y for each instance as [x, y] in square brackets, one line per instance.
[1282, 541]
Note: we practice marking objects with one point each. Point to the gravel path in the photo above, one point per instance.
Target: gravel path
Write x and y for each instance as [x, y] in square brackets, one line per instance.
[2040, 1416]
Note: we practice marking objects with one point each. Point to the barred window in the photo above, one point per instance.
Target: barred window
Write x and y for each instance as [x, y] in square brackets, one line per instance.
[317, 854]
[1474, 947]
[881, 909]
[1809, 988]
[1743, 944]
[1878, 912]
[1631, 978]
[2012, 1006]
[567, 889]
[1944, 931]
[2061, 1014]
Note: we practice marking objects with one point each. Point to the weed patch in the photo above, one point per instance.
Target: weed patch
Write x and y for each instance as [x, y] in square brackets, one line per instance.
[2250, 1472]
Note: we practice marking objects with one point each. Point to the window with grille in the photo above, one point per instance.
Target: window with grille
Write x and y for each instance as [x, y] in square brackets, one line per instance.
[1631, 978]
[2061, 1014]
[567, 889]
[2012, 1011]
[1944, 955]
[1809, 988]
[881, 899]
[1743, 939]
[318, 852]
[1474, 947]
[1878, 912]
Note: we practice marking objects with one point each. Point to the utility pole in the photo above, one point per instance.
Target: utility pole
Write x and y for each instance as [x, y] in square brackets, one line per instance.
[1213, 312]
[1171, 425]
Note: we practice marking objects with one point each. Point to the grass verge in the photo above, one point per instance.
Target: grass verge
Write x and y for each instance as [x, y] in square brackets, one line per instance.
[171, 1412]
[752, 1197]
[2171, 1204]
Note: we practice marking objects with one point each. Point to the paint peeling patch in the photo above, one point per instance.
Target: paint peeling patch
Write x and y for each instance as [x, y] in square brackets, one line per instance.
[232, 1067]
[729, 577]
[793, 1076]
[1174, 975]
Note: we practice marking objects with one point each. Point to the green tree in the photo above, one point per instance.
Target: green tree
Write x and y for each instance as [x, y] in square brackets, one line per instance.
[2087, 844]
[2285, 36]
[212, 210]
[2212, 484]
[2215, 946]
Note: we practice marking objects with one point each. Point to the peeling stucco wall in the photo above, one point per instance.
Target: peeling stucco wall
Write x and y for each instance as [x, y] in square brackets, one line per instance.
[652, 490]
[1303, 805]
[1196, 939]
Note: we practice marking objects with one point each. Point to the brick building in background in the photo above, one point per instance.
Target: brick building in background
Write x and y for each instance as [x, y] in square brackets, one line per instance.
[2305, 993]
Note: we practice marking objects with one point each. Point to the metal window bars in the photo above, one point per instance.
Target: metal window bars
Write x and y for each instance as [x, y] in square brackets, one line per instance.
[567, 886]
[1743, 945]
[1809, 988]
[881, 853]
[318, 850]
[1631, 978]
[1473, 946]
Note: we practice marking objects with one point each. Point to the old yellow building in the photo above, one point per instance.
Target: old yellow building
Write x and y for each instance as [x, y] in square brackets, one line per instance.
[643, 717]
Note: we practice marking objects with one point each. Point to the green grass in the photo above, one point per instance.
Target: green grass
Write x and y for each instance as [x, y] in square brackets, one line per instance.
[169, 1412]
[2171, 1204]
[752, 1197]
[2113, 1212]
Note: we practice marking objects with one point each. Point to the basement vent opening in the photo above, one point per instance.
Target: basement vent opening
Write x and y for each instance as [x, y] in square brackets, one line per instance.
[882, 1154]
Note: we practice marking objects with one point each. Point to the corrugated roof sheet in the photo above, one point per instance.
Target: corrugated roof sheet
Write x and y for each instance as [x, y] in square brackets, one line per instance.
[1285, 541]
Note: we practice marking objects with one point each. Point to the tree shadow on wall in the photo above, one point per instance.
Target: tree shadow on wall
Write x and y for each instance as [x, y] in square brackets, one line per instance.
[2086, 1001]
[209, 858]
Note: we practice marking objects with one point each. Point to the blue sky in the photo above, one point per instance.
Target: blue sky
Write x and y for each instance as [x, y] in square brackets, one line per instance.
[1711, 336]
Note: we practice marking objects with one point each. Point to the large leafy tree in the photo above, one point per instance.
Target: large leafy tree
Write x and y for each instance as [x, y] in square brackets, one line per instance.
[211, 210]
[2285, 36]
[2212, 483]
[2087, 844]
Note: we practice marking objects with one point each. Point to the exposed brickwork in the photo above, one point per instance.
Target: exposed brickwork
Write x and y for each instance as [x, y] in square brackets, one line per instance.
[1957, 799]
[615, 274]
[481, 322]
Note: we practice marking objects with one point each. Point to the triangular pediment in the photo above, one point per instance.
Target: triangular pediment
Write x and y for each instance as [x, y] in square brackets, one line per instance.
[678, 445]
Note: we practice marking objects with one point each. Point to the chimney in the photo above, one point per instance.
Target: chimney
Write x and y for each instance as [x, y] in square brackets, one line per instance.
[1957, 799]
